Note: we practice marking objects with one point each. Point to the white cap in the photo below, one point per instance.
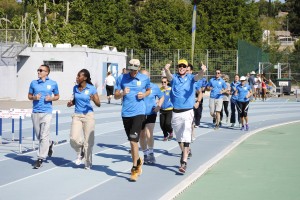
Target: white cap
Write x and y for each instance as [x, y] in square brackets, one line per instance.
[243, 78]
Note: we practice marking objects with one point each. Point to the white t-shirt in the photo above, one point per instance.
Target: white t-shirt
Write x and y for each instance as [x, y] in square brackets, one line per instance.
[110, 80]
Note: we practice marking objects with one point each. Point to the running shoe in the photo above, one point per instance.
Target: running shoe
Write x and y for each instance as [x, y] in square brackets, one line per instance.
[134, 174]
[152, 159]
[217, 127]
[146, 159]
[243, 128]
[38, 163]
[170, 136]
[139, 167]
[182, 168]
[232, 125]
[165, 139]
[88, 167]
[78, 161]
[50, 151]
[247, 127]
[195, 126]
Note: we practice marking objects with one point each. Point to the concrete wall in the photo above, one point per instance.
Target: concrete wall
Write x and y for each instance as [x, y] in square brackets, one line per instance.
[8, 81]
[74, 59]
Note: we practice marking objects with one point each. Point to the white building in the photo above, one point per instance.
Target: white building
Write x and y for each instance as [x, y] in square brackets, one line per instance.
[64, 61]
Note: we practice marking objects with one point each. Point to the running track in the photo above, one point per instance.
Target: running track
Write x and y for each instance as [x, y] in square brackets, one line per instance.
[60, 178]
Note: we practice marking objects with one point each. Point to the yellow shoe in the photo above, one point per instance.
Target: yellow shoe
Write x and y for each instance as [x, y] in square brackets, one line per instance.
[139, 167]
[134, 174]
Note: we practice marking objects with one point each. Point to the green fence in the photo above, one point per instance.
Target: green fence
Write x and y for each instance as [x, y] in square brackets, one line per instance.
[155, 60]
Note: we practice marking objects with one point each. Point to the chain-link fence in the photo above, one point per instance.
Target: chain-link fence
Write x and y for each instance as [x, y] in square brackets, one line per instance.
[13, 36]
[155, 60]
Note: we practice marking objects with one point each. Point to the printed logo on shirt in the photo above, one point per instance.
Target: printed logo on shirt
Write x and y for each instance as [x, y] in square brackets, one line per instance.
[86, 92]
[48, 87]
[245, 88]
[151, 92]
[133, 135]
[167, 93]
[138, 83]
[220, 82]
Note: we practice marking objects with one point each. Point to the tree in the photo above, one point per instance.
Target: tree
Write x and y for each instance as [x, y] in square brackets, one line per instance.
[293, 7]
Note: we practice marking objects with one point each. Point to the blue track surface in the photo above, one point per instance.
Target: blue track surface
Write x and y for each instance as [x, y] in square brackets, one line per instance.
[60, 178]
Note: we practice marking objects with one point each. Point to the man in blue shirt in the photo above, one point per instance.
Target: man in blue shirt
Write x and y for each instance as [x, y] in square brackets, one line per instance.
[42, 92]
[135, 87]
[183, 99]
[146, 137]
[217, 87]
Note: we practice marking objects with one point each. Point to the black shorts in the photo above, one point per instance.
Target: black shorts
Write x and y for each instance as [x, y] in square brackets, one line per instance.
[149, 119]
[109, 90]
[243, 108]
[133, 127]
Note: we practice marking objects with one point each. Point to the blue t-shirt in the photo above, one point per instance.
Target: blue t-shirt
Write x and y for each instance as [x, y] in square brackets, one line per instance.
[200, 84]
[243, 92]
[217, 85]
[167, 104]
[132, 106]
[82, 98]
[233, 86]
[183, 91]
[48, 87]
[150, 101]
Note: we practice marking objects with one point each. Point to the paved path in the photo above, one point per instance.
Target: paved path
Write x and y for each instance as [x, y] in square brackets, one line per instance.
[265, 166]
[60, 178]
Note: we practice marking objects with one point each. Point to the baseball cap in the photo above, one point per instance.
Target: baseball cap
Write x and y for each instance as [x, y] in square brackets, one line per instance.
[134, 64]
[243, 78]
[183, 62]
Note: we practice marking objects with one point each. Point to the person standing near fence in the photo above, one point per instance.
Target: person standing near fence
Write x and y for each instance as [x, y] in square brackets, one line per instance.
[42, 92]
[109, 86]
[243, 93]
[166, 110]
[146, 136]
[233, 100]
[82, 132]
[217, 87]
[182, 97]
[135, 87]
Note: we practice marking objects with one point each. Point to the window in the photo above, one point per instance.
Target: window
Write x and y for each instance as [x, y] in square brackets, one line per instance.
[55, 66]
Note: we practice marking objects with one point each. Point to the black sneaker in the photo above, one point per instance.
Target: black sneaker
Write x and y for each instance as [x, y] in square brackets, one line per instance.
[38, 163]
[182, 168]
[50, 151]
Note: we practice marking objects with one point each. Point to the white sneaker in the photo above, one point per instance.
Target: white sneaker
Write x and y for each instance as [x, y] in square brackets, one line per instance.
[78, 161]
[88, 167]
[232, 125]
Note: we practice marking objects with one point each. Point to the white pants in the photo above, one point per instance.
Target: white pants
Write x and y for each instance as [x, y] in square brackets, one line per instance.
[82, 134]
[182, 125]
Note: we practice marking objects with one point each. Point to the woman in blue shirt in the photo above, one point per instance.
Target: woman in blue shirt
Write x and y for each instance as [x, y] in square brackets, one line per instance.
[83, 122]
[243, 93]
[166, 110]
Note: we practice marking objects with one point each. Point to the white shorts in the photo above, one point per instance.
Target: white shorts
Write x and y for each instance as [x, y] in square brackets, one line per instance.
[215, 105]
[182, 125]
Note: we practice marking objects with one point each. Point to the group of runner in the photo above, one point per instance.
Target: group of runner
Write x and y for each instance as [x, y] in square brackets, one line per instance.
[179, 102]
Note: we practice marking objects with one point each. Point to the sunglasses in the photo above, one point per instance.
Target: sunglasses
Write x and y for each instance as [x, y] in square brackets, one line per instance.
[164, 82]
[218, 72]
[40, 70]
[184, 66]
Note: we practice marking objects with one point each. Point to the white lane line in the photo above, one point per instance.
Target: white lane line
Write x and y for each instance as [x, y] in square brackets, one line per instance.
[59, 144]
[183, 185]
